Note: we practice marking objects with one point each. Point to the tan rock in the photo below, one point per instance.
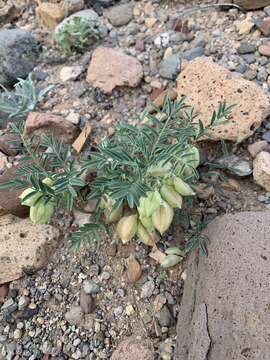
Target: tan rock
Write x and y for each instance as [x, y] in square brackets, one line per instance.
[50, 15]
[38, 124]
[255, 148]
[261, 170]
[245, 26]
[23, 246]
[134, 348]
[206, 84]
[150, 22]
[110, 68]
[251, 4]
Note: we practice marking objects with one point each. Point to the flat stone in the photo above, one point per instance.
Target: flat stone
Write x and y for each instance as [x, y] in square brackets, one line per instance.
[73, 6]
[206, 84]
[246, 48]
[50, 14]
[110, 68]
[170, 67]
[38, 124]
[23, 246]
[193, 53]
[221, 315]
[251, 4]
[261, 171]
[134, 348]
[249, 58]
[120, 15]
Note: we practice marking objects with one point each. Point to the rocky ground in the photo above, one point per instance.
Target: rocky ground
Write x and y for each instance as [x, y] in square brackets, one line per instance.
[82, 304]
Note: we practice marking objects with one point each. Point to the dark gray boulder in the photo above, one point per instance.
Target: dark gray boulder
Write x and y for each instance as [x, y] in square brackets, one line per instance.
[18, 55]
[225, 310]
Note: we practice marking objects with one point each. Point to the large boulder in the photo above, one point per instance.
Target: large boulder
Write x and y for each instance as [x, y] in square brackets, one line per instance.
[251, 4]
[18, 55]
[224, 312]
[206, 84]
[24, 247]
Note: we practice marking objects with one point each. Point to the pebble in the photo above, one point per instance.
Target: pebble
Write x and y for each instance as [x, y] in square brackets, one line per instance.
[9, 306]
[266, 136]
[23, 302]
[90, 287]
[193, 53]
[170, 67]
[74, 316]
[17, 334]
[164, 317]
[264, 50]
[246, 48]
[147, 289]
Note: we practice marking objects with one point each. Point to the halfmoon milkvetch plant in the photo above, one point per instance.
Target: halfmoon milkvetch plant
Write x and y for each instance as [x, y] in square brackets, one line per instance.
[141, 175]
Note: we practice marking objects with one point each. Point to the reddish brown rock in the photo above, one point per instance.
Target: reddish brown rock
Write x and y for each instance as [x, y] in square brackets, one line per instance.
[3, 292]
[206, 84]
[261, 170]
[134, 348]
[38, 124]
[264, 50]
[110, 68]
[9, 198]
[49, 14]
[225, 305]
[134, 270]
[8, 144]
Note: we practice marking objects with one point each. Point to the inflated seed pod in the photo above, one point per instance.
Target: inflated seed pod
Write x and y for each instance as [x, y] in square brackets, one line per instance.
[147, 222]
[171, 196]
[32, 199]
[144, 235]
[174, 250]
[112, 216]
[127, 227]
[162, 218]
[170, 260]
[42, 212]
[160, 170]
[182, 187]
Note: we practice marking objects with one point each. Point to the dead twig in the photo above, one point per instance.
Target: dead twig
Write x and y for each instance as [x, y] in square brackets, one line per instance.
[210, 6]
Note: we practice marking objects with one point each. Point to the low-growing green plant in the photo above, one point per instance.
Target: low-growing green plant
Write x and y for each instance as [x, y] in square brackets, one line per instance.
[142, 176]
[18, 103]
[75, 34]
